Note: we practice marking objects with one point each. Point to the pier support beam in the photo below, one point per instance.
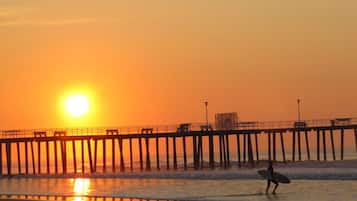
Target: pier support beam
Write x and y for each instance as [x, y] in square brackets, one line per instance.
[131, 153]
[299, 144]
[256, 147]
[82, 155]
[18, 157]
[274, 146]
[244, 147]
[211, 151]
[157, 152]
[90, 156]
[141, 154]
[220, 151]
[324, 144]
[318, 144]
[195, 152]
[332, 144]
[48, 157]
[148, 162]
[95, 154]
[174, 152]
[250, 149]
[56, 156]
[200, 148]
[167, 153]
[224, 151]
[113, 155]
[33, 158]
[307, 144]
[342, 142]
[269, 146]
[74, 156]
[64, 156]
[282, 145]
[39, 156]
[227, 150]
[122, 163]
[355, 134]
[293, 145]
[1, 159]
[26, 158]
[104, 144]
[238, 150]
[8, 157]
[184, 152]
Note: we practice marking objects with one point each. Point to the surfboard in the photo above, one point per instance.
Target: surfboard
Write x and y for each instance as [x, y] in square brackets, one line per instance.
[277, 176]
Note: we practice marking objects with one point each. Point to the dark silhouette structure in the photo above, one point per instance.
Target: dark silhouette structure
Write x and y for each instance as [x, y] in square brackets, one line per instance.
[58, 142]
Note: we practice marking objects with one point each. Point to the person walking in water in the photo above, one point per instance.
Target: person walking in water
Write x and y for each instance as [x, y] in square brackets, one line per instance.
[271, 178]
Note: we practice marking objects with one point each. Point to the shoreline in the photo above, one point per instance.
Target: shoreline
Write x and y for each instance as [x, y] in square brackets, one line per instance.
[309, 170]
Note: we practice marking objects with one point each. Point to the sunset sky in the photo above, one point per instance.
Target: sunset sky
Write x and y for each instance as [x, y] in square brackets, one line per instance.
[156, 62]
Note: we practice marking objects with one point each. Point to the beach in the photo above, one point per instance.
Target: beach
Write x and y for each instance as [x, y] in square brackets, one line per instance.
[311, 180]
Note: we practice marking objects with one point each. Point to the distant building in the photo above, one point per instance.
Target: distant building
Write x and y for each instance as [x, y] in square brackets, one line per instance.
[226, 121]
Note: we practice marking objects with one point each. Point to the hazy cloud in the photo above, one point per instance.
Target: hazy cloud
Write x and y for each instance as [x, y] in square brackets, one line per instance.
[22, 17]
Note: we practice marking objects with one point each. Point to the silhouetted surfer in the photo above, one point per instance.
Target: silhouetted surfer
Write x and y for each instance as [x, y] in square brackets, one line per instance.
[271, 178]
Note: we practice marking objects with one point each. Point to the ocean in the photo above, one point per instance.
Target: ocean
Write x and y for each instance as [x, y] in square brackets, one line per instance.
[311, 180]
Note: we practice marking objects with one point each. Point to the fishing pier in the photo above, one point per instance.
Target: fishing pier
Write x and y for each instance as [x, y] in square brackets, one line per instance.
[46, 151]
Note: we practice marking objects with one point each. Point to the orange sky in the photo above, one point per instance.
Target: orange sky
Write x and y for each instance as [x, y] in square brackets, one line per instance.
[155, 62]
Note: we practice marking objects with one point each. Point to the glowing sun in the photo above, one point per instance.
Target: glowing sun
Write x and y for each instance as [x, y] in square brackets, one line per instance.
[77, 105]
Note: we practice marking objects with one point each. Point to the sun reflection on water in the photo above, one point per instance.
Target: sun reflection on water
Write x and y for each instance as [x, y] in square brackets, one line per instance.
[81, 189]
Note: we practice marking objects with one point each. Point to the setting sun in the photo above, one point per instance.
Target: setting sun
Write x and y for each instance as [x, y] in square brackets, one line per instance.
[77, 105]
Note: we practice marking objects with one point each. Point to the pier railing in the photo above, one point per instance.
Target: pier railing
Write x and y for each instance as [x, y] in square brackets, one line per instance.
[241, 125]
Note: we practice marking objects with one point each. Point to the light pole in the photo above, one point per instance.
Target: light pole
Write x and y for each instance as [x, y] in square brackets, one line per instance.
[206, 105]
[299, 108]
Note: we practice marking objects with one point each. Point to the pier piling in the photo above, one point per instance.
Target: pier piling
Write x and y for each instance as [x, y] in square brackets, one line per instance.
[282, 146]
[332, 144]
[307, 144]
